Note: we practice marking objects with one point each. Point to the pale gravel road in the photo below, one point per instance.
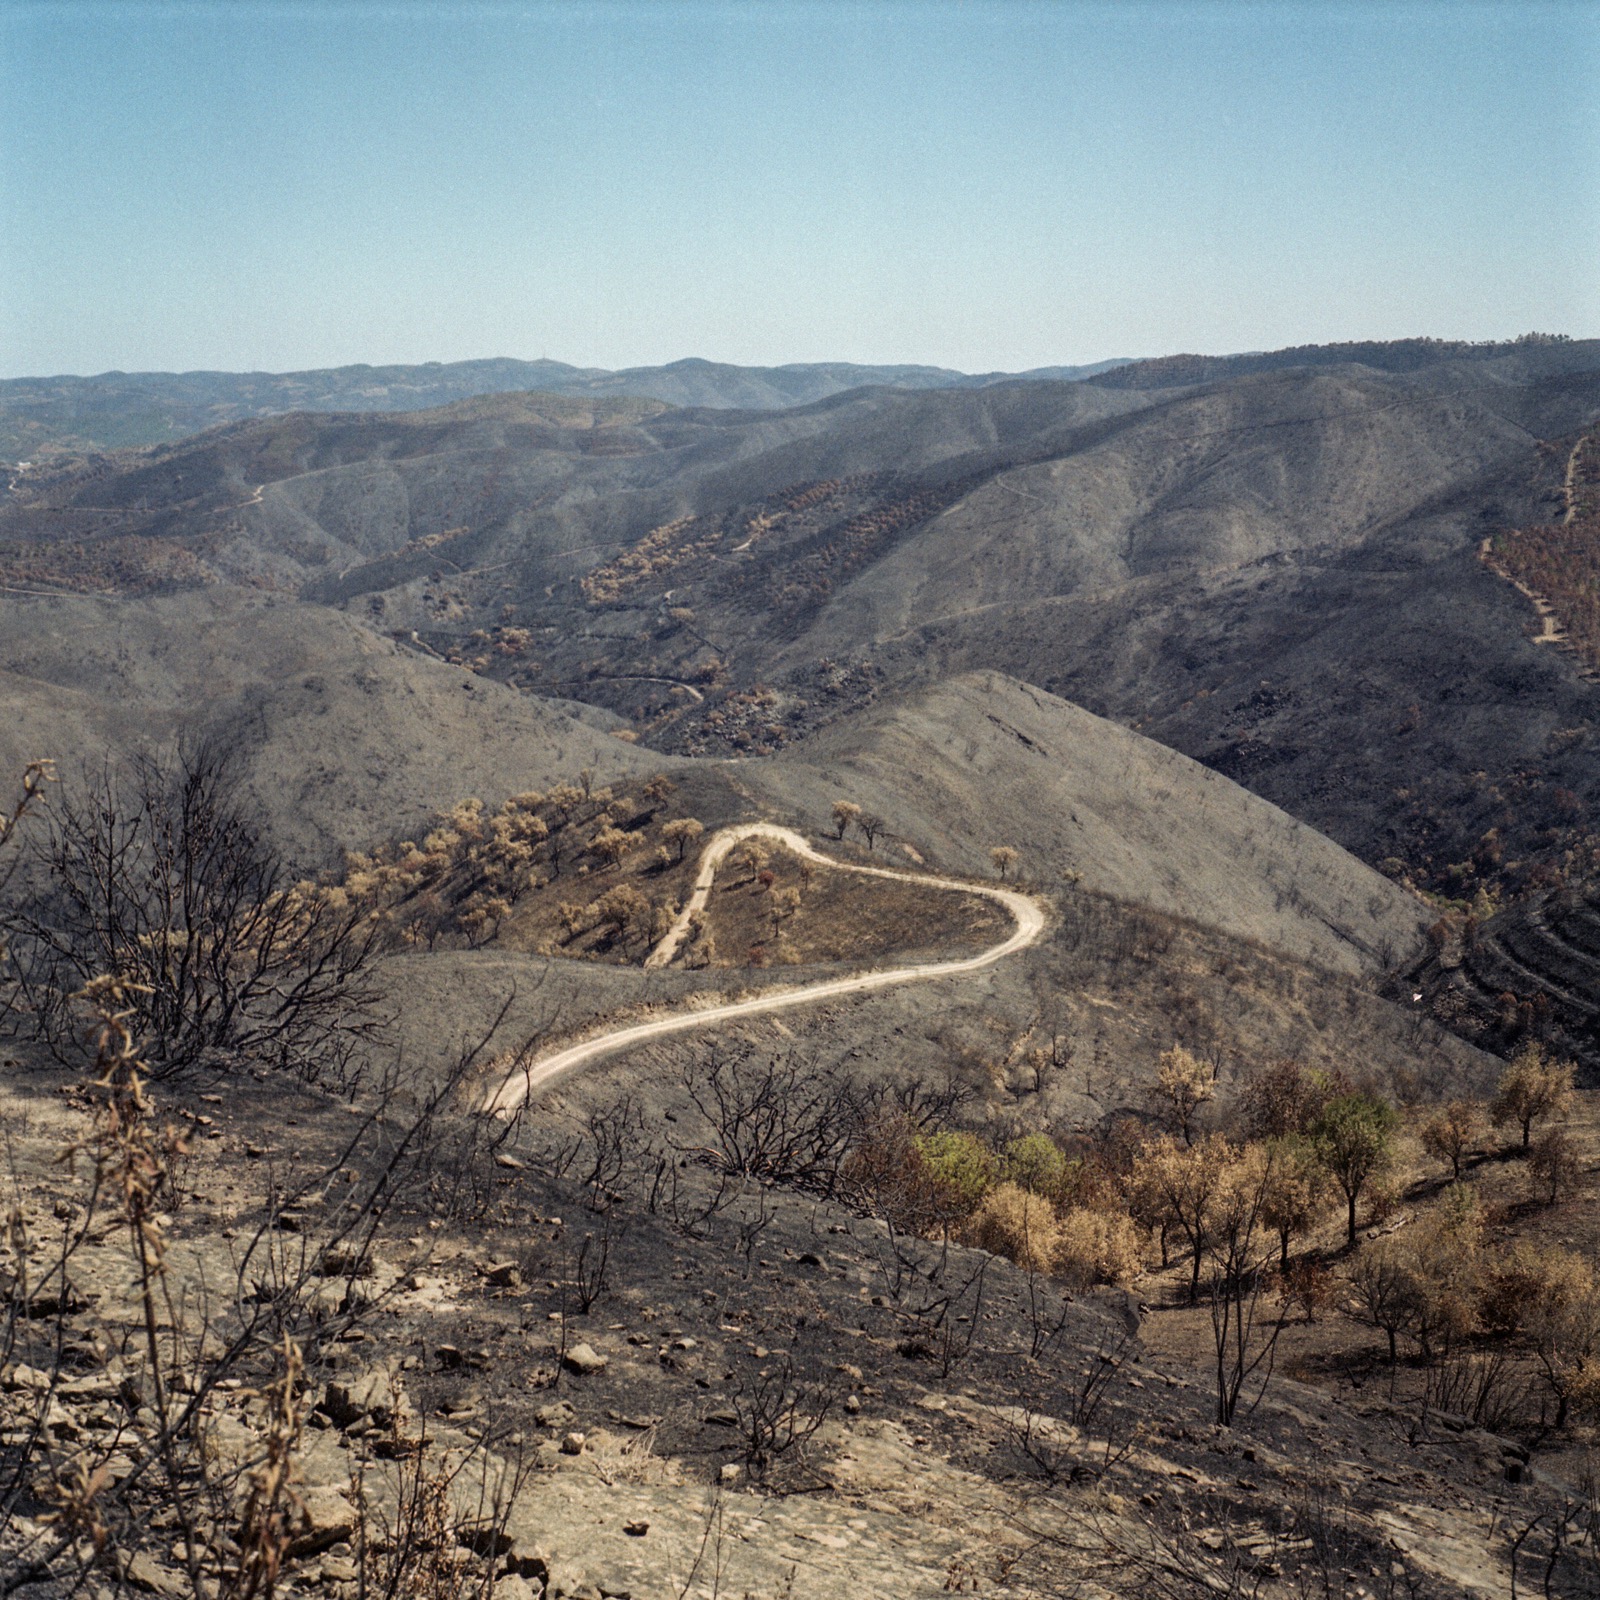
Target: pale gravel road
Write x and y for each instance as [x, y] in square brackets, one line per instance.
[1026, 911]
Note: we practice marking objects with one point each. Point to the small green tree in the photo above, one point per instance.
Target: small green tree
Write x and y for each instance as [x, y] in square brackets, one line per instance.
[1354, 1139]
[1035, 1162]
[961, 1166]
[1530, 1089]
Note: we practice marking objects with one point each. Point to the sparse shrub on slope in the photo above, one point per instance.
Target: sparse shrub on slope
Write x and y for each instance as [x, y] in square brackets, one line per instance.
[1098, 1247]
[1453, 1132]
[1012, 1221]
[1531, 1089]
[569, 871]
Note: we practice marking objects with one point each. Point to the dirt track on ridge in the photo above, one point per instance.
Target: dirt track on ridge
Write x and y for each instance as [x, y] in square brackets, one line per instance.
[1027, 911]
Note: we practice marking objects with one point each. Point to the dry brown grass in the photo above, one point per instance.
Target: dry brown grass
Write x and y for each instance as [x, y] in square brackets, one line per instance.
[841, 916]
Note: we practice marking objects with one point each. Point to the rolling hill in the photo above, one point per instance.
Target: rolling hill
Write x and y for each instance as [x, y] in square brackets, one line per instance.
[1267, 564]
[119, 410]
[1274, 570]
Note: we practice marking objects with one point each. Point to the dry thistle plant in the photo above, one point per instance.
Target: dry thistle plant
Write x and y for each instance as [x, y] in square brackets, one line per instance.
[158, 1467]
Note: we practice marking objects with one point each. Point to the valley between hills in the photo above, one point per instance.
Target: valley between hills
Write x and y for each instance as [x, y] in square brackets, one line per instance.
[808, 981]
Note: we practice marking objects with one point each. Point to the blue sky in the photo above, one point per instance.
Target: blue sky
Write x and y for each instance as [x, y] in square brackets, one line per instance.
[979, 185]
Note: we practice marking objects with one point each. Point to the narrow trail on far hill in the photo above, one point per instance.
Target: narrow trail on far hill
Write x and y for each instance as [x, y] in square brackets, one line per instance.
[1027, 911]
[1550, 631]
[1570, 483]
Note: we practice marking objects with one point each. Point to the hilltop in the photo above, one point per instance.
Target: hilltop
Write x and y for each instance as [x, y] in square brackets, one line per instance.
[120, 410]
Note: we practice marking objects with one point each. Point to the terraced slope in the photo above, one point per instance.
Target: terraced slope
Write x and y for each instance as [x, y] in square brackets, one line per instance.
[1532, 970]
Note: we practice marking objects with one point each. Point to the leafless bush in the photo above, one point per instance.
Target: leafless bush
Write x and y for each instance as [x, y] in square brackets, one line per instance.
[780, 1120]
[1488, 1386]
[1050, 1393]
[442, 1509]
[29, 797]
[591, 1263]
[944, 1325]
[617, 1150]
[779, 1413]
[157, 875]
[1048, 1312]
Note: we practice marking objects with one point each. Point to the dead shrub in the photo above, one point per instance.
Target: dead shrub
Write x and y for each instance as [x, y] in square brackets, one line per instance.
[1099, 1247]
[1012, 1222]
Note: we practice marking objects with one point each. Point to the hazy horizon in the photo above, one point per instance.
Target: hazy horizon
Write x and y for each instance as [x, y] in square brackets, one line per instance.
[990, 187]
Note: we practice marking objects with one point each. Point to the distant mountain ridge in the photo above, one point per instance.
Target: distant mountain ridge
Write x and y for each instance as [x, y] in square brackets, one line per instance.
[1385, 355]
[123, 410]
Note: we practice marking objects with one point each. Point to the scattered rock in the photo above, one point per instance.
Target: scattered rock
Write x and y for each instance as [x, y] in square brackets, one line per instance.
[142, 1573]
[335, 1262]
[21, 1376]
[325, 1518]
[572, 1445]
[368, 1395]
[503, 1274]
[583, 1358]
[640, 1422]
[636, 1529]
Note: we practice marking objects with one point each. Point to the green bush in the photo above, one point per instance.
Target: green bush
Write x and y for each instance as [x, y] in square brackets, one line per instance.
[961, 1165]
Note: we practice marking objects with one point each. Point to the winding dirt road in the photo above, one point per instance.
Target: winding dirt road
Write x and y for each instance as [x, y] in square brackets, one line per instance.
[1027, 912]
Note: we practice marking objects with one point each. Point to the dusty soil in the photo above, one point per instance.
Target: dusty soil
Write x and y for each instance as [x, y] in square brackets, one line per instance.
[945, 1461]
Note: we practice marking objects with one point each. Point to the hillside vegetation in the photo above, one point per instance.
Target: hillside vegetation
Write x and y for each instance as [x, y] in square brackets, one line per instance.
[1265, 562]
[1189, 1192]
